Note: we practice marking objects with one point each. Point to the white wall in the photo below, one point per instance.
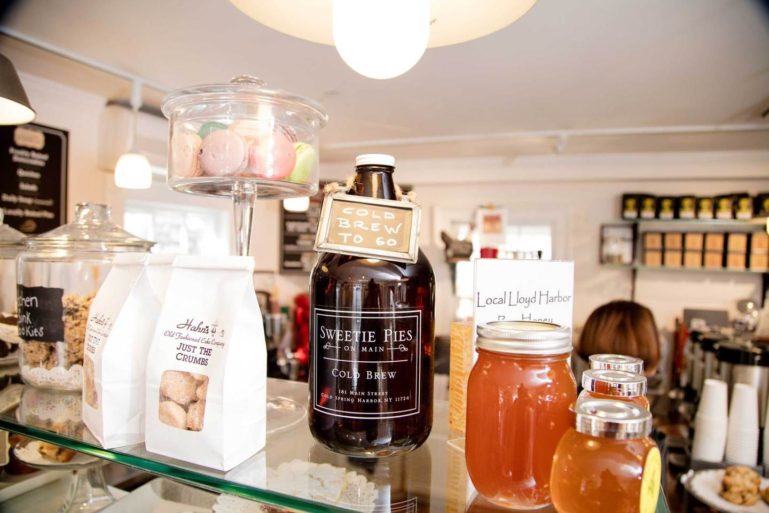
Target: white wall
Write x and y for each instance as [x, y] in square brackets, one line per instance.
[78, 112]
[576, 193]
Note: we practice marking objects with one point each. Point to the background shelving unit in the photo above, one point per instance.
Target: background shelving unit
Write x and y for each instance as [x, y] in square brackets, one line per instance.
[683, 225]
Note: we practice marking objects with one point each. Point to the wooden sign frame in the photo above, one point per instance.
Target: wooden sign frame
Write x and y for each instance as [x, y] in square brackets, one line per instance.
[322, 243]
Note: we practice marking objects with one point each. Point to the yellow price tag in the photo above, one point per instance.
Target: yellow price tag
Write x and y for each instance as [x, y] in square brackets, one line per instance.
[650, 482]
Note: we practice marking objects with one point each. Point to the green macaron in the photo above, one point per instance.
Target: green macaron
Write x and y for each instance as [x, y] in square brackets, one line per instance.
[306, 158]
[211, 126]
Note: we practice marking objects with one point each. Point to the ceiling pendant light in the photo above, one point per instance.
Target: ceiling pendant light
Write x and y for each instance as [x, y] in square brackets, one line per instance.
[383, 38]
[133, 170]
[296, 204]
[14, 104]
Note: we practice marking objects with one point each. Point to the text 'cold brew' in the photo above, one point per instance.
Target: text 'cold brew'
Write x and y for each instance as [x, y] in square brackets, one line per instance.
[372, 327]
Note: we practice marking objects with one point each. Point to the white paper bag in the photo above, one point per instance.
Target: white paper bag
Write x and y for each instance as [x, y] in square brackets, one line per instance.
[159, 274]
[207, 367]
[119, 331]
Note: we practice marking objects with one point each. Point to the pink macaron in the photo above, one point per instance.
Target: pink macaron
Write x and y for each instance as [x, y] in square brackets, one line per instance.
[271, 156]
[223, 153]
[185, 150]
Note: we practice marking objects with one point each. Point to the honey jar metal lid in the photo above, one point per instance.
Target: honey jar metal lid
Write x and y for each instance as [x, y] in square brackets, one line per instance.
[524, 337]
[619, 362]
[612, 419]
[614, 382]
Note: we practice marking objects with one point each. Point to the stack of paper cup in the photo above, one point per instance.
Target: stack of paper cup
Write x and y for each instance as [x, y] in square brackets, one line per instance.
[710, 422]
[742, 431]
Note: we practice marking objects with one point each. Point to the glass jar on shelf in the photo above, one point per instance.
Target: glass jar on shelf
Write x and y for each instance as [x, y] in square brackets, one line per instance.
[614, 384]
[11, 243]
[519, 395]
[607, 462]
[58, 275]
[242, 137]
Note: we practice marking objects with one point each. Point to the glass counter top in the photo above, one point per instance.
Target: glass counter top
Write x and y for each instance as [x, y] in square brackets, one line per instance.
[293, 471]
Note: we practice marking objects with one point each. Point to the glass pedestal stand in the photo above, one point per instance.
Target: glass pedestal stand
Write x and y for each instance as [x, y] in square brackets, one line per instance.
[88, 490]
[282, 412]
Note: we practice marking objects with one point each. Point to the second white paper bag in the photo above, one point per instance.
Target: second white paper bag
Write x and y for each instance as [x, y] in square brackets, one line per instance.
[207, 367]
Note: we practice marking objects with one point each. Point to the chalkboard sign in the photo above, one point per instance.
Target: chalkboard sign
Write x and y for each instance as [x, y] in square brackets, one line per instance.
[297, 253]
[33, 177]
[369, 227]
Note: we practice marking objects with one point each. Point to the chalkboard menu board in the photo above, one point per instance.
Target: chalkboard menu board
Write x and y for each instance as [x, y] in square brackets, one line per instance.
[297, 230]
[33, 177]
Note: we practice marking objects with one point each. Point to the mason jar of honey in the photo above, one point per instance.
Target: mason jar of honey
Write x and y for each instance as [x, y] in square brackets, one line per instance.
[619, 362]
[617, 385]
[607, 462]
[518, 398]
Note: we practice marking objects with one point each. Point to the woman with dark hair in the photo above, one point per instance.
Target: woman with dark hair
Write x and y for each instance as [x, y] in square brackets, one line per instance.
[622, 327]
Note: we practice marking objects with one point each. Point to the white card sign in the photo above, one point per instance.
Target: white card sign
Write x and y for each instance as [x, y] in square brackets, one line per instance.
[531, 290]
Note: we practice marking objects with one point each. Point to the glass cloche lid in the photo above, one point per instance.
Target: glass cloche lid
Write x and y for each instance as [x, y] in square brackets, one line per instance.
[10, 237]
[91, 230]
[244, 90]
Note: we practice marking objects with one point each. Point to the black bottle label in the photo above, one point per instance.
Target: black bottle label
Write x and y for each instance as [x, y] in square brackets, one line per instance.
[367, 363]
[41, 313]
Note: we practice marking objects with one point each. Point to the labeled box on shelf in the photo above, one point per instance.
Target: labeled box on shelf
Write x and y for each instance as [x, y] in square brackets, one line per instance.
[673, 258]
[743, 206]
[759, 242]
[724, 206]
[686, 207]
[692, 259]
[714, 241]
[761, 204]
[652, 257]
[759, 261]
[705, 207]
[737, 242]
[694, 241]
[736, 261]
[666, 207]
[674, 240]
[630, 206]
[713, 260]
[648, 209]
[652, 240]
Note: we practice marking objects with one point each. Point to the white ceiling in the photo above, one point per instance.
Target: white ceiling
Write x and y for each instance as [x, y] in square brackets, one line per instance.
[566, 65]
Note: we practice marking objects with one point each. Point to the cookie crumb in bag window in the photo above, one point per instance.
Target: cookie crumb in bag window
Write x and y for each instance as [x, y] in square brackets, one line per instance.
[207, 365]
[181, 389]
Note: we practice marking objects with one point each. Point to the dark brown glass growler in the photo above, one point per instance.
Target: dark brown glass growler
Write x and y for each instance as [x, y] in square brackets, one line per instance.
[371, 335]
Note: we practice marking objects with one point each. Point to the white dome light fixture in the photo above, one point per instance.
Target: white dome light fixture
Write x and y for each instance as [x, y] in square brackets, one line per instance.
[133, 170]
[381, 38]
[296, 204]
[384, 38]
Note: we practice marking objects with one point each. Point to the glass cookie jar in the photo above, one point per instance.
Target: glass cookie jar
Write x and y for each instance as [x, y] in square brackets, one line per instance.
[11, 243]
[58, 275]
[243, 135]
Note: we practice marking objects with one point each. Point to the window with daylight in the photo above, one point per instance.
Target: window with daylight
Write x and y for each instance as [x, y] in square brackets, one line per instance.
[179, 229]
